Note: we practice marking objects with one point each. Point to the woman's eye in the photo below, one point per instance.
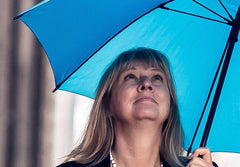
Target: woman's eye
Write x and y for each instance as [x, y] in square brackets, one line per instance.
[157, 78]
[129, 76]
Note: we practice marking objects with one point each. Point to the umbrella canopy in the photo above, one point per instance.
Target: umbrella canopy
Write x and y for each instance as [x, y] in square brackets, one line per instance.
[82, 37]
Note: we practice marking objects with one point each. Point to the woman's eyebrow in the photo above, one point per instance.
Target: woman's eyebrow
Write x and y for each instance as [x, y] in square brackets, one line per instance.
[157, 69]
[130, 68]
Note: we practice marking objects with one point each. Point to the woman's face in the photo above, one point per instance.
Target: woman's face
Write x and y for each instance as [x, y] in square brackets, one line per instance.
[140, 93]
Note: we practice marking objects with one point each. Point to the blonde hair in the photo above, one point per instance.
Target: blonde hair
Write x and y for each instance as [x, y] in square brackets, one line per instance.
[99, 135]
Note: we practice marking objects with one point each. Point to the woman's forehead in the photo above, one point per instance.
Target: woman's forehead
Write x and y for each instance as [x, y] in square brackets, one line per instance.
[140, 63]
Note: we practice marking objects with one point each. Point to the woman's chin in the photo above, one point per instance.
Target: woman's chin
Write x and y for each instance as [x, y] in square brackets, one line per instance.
[150, 114]
[146, 114]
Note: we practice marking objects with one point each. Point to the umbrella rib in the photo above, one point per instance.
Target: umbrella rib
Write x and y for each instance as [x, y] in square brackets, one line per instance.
[60, 84]
[225, 10]
[226, 55]
[208, 97]
[191, 14]
[233, 38]
[212, 11]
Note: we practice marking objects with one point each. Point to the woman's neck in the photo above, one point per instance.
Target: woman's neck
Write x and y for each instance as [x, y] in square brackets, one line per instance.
[137, 147]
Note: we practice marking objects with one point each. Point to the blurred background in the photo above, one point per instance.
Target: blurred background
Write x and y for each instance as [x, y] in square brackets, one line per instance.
[39, 128]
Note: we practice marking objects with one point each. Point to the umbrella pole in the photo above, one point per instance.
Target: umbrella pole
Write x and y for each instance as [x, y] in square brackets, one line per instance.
[232, 39]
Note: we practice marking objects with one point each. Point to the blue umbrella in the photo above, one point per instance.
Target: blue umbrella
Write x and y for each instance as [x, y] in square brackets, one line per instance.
[81, 38]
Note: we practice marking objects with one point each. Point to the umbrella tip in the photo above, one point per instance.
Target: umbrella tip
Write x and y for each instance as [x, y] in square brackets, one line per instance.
[54, 90]
[17, 17]
[57, 87]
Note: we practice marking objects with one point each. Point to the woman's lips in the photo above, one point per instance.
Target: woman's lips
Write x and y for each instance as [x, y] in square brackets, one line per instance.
[145, 99]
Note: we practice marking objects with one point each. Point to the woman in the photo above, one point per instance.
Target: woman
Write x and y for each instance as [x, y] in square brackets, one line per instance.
[135, 119]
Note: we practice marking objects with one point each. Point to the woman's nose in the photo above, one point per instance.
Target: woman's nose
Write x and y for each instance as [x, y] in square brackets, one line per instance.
[145, 84]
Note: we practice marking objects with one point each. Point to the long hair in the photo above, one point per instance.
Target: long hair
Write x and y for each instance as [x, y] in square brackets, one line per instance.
[99, 135]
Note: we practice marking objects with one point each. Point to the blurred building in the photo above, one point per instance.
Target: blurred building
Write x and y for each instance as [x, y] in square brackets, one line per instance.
[27, 104]
[38, 128]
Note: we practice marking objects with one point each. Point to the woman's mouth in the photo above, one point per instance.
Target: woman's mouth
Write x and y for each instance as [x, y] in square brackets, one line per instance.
[145, 99]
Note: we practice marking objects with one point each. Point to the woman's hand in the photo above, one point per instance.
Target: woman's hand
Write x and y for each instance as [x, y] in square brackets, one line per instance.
[201, 157]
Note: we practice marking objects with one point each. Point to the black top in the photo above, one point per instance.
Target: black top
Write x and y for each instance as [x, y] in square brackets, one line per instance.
[105, 163]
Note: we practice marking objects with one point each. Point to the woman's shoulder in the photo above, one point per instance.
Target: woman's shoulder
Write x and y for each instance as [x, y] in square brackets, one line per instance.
[72, 164]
